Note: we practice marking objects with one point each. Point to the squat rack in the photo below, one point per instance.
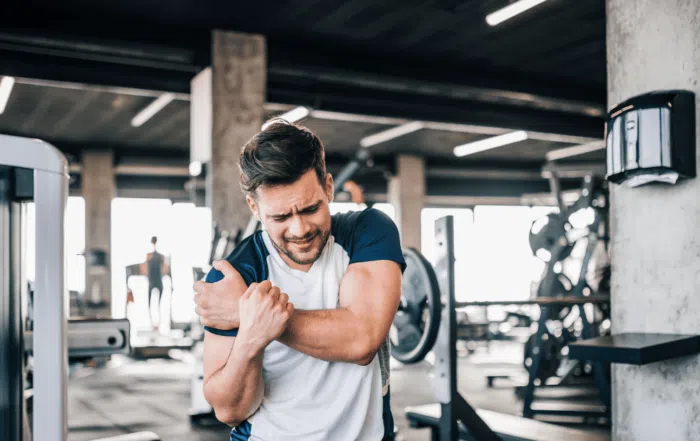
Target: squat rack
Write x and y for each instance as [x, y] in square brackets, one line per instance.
[454, 407]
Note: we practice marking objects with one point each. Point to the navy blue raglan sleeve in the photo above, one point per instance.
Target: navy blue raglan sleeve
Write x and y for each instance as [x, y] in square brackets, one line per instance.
[248, 258]
[376, 237]
[212, 277]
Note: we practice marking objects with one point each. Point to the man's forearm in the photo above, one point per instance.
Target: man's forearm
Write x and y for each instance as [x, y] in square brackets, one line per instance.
[329, 334]
[236, 390]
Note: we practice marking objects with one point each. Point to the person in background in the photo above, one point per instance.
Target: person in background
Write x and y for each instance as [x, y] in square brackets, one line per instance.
[155, 269]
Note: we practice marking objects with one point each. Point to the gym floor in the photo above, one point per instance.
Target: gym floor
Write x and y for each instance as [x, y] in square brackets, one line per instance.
[129, 396]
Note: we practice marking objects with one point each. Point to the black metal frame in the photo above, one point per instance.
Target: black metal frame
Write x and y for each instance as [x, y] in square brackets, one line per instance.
[454, 407]
[589, 331]
[11, 358]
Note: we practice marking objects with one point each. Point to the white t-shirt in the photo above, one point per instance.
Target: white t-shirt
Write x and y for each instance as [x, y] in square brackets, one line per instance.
[308, 399]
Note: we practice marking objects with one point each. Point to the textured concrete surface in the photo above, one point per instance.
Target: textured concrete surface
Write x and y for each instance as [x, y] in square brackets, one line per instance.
[239, 81]
[655, 45]
[406, 193]
[98, 189]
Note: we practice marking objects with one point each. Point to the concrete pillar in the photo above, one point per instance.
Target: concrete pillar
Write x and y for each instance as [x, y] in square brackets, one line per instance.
[406, 193]
[655, 45]
[234, 90]
[98, 187]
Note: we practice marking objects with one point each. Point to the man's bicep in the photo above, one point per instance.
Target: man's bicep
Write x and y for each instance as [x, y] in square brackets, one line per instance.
[376, 238]
[217, 349]
[239, 287]
[372, 290]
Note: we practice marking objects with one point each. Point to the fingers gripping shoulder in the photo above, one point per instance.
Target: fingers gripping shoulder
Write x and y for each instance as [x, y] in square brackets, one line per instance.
[222, 280]
[222, 269]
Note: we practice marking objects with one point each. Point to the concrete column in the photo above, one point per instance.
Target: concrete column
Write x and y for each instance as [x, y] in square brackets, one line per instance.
[98, 187]
[406, 193]
[655, 45]
[234, 90]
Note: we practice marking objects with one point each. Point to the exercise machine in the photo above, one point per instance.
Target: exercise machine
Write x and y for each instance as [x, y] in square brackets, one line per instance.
[151, 344]
[31, 170]
[553, 239]
[453, 418]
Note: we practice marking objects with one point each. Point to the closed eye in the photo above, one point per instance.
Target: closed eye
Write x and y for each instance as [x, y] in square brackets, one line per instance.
[307, 210]
[310, 210]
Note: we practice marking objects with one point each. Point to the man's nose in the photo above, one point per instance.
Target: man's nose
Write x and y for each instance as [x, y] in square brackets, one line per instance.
[299, 228]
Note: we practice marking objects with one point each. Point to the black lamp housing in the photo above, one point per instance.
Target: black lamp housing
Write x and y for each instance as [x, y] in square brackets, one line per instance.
[651, 134]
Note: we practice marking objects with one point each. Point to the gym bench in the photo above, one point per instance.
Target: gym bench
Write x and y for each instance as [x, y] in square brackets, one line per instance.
[507, 427]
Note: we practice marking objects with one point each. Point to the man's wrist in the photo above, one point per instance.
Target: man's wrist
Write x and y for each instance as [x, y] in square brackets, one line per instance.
[235, 321]
[248, 345]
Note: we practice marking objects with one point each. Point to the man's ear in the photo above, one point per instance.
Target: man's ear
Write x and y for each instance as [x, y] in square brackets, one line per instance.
[329, 187]
[253, 206]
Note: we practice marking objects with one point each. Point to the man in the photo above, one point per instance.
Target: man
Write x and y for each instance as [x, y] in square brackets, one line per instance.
[155, 267]
[298, 315]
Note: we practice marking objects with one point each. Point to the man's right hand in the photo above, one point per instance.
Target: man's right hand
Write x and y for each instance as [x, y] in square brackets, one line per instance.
[264, 315]
[217, 303]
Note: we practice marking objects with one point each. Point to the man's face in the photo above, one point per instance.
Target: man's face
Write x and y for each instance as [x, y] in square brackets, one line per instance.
[297, 217]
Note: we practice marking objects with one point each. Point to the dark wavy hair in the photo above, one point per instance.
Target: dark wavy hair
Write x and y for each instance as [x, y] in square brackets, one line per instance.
[280, 155]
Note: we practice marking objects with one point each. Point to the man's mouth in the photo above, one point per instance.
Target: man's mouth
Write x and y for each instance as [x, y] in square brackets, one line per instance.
[305, 242]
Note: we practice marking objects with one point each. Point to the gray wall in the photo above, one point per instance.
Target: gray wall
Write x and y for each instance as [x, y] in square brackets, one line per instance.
[239, 66]
[407, 194]
[654, 45]
[98, 187]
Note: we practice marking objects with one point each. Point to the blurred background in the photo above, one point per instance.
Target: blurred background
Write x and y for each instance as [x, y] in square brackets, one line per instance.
[491, 111]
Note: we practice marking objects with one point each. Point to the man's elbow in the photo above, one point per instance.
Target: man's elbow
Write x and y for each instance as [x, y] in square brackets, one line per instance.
[230, 417]
[365, 350]
[366, 359]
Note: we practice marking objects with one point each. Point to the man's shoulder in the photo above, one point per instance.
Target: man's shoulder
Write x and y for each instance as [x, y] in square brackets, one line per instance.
[250, 246]
[351, 220]
[249, 258]
[365, 235]
[343, 226]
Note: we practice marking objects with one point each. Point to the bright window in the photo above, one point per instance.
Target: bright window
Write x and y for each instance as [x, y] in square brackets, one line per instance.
[463, 230]
[505, 268]
[184, 236]
[493, 259]
[344, 207]
[74, 242]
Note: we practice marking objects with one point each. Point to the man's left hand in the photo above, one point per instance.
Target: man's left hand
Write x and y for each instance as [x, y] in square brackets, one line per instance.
[217, 303]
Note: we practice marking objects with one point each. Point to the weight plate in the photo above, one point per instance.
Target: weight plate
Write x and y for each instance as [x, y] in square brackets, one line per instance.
[561, 287]
[545, 233]
[417, 320]
[550, 350]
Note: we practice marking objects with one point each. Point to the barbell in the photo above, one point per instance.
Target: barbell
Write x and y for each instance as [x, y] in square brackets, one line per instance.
[417, 321]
